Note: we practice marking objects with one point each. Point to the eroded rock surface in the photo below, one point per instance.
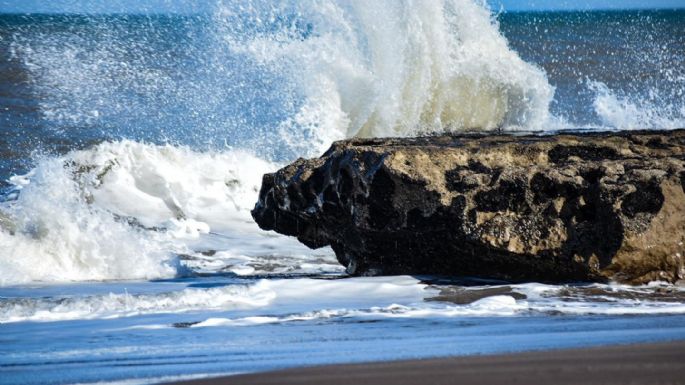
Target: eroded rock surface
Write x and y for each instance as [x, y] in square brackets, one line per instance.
[567, 207]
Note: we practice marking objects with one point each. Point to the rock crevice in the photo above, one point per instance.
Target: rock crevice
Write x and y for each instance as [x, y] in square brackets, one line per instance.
[550, 208]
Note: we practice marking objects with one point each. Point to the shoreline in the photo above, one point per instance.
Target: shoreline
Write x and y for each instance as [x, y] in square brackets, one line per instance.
[651, 363]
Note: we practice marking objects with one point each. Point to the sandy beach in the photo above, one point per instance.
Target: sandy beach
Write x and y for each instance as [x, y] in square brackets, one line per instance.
[662, 363]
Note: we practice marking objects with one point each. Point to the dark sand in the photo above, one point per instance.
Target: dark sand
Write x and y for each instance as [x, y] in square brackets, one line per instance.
[662, 363]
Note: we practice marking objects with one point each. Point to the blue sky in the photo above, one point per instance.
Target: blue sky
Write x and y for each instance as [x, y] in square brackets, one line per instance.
[190, 6]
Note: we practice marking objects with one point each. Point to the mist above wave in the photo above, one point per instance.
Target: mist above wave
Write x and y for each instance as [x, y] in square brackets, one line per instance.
[617, 110]
[286, 77]
[396, 68]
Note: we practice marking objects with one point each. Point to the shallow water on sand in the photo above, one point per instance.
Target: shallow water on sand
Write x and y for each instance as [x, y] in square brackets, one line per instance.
[145, 332]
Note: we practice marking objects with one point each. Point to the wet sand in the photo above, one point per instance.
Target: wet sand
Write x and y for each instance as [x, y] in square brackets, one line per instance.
[662, 363]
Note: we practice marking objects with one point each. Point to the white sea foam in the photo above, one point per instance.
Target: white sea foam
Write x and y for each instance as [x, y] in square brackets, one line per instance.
[391, 68]
[125, 305]
[267, 295]
[487, 307]
[627, 112]
[272, 301]
[57, 236]
[540, 299]
[125, 210]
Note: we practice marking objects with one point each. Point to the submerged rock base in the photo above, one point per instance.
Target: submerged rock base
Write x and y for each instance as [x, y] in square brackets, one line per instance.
[549, 208]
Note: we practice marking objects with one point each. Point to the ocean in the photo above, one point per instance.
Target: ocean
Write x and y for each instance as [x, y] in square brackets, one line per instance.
[132, 149]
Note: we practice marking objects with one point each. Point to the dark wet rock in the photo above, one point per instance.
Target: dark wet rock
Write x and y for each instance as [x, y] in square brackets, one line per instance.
[566, 207]
[670, 293]
[464, 296]
[184, 325]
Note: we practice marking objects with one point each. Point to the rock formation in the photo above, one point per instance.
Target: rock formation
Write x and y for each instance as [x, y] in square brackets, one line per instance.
[549, 208]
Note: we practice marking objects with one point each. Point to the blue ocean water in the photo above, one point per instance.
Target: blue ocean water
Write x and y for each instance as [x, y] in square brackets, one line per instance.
[132, 149]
